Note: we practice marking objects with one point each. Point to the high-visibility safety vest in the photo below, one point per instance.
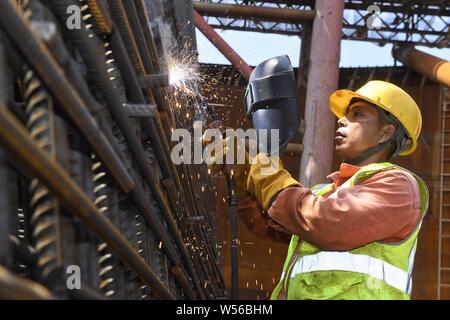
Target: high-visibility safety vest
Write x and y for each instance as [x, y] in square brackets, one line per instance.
[375, 271]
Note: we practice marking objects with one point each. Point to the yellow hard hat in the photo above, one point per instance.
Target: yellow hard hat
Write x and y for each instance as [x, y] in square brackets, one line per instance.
[389, 97]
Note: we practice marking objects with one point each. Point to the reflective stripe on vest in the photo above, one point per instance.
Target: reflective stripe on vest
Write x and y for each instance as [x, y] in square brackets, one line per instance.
[359, 263]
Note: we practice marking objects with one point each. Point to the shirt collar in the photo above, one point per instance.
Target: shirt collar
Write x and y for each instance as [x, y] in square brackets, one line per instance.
[345, 172]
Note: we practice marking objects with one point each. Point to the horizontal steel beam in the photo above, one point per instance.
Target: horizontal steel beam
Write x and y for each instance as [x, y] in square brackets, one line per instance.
[258, 13]
[353, 36]
[245, 19]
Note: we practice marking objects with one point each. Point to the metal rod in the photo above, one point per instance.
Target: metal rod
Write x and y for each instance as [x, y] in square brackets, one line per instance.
[22, 252]
[138, 34]
[123, 61]
[99, 11]
[14, 287]
[432, 67]
[223, 46]
[179, 275]
[51, 74]
[85, 293]
[5, 206]
[154, 80]
[5, 212]
[15, 138]
[258, 13]
[140, 110]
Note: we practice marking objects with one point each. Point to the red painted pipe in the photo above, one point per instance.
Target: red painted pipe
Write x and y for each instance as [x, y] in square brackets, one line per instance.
[235, 59]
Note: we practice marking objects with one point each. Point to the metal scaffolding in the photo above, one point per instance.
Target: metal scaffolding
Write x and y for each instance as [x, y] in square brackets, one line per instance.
[421, 22]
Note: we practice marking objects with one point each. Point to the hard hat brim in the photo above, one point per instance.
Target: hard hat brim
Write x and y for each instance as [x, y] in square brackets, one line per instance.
[340, 101]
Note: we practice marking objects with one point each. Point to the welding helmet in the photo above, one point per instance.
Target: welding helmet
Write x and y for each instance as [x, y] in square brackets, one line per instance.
[271, 103]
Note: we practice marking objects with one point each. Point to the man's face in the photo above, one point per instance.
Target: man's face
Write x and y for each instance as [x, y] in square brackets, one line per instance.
[359, 130]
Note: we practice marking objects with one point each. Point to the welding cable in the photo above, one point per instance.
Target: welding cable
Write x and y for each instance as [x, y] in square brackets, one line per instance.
[232, 203]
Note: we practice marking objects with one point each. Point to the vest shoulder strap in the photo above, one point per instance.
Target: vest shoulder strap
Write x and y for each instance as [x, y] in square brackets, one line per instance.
[369, 170]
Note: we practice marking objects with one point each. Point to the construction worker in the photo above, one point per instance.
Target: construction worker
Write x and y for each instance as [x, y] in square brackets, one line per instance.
[356, 237]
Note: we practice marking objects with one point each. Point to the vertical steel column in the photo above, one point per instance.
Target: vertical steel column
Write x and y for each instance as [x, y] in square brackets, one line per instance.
[323, 76]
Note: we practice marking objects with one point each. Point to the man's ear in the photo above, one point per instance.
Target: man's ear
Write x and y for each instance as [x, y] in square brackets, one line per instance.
[386, 133]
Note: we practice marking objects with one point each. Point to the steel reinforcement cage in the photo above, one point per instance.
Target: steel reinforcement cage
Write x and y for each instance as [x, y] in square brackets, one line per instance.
[87, 185]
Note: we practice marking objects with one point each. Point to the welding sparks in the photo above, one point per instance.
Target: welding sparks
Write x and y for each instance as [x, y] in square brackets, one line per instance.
[184, 77]
[177, 75]
[184, 72]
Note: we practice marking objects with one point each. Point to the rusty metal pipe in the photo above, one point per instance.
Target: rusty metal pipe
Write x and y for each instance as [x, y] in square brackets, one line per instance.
[223, 47]
[432, 67]
[323, 76]
[15, 138]
[258, 13]
[39, 57]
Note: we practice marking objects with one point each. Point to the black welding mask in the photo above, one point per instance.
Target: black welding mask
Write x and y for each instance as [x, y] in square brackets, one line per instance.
[271, 103]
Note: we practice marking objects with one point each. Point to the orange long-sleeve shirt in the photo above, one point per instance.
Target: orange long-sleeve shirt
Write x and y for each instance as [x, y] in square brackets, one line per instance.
[385, 207]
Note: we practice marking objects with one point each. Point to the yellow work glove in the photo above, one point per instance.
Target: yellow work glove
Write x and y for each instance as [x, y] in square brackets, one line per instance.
[217, 157]
[267, 178]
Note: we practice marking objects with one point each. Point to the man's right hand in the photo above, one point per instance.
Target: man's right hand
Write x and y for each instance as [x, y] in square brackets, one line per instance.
[229, 156]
